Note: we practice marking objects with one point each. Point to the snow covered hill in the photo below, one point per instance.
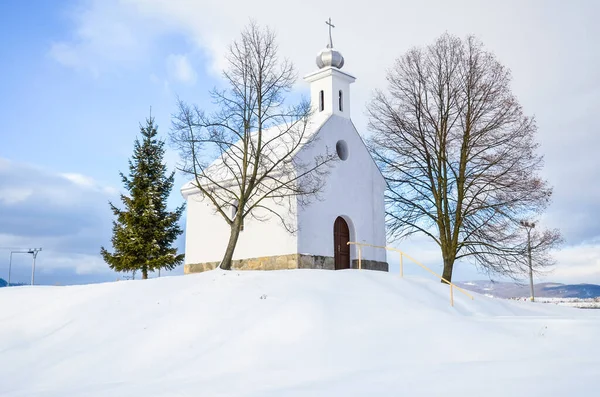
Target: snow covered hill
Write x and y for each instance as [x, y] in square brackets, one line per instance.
[289, 333]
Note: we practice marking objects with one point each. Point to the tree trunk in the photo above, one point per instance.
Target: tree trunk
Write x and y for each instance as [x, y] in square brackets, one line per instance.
[447, 273]
[144, 274]
[233, 238]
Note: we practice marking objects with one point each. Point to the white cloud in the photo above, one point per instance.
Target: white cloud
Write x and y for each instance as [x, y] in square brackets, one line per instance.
[180, 69]
[89, 183]
[13, 195]
[110, 191]
[370, 35]
[578, 264]
[65, 213]
[81, 180]
[68, 55]
[107, 35]
[80, 263]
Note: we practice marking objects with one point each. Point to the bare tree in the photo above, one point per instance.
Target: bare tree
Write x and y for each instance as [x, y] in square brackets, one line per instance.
[459, 156]
[244, 156]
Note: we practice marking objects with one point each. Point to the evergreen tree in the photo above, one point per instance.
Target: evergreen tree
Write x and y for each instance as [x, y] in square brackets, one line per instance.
[144, 231]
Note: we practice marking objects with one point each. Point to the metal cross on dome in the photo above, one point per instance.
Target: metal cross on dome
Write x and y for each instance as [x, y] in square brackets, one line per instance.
[330, 26]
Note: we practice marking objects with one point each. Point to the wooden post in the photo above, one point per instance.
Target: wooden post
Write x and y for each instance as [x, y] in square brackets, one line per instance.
[451, 296]
[359, 261]
[401, 268]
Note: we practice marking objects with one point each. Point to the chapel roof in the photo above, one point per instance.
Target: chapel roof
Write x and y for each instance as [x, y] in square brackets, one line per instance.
[276, 144]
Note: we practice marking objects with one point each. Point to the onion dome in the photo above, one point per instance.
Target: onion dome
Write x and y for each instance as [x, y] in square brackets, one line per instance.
[330, 57]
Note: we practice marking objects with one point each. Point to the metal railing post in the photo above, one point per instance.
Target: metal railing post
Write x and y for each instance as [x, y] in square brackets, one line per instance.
[401, 267]
[451, 296]
[359, 258]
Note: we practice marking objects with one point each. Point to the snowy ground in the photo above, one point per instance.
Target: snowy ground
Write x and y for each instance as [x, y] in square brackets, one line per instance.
[289, 333]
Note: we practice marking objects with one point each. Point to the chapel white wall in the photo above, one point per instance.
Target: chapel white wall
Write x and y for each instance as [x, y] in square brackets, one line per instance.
[354, 190]
[207, 234]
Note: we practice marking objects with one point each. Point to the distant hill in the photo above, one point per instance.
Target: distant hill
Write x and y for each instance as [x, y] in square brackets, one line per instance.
[543, 290]
[3, 283]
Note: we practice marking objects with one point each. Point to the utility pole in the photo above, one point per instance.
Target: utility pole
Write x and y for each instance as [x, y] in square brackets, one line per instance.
[529, 226]
[33, 252]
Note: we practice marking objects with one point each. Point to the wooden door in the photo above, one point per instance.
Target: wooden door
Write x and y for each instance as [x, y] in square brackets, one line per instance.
[341, 236]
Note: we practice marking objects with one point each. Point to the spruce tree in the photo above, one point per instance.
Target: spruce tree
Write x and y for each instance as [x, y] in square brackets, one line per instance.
[144, 231]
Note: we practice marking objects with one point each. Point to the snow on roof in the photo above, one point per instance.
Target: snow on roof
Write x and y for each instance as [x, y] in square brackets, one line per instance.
[276, 144]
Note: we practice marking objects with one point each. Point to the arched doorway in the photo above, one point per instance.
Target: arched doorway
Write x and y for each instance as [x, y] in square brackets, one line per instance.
[341, 249]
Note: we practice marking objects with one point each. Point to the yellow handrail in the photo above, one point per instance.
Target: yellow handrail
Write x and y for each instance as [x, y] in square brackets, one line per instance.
[402, 254]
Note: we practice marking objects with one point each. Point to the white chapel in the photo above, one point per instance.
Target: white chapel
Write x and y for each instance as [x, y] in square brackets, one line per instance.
[350, 208]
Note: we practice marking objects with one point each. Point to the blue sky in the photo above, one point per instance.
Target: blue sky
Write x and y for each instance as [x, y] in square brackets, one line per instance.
[79, 76]
[70, 130]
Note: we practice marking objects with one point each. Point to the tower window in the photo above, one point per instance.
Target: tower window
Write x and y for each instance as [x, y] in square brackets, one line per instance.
[341, 101]
[321, 101]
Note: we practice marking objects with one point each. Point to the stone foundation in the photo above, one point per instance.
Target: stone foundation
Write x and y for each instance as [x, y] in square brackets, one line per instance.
[370, 265]
[282, 262]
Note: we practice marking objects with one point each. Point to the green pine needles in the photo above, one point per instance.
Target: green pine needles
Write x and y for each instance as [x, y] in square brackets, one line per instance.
[144, 231]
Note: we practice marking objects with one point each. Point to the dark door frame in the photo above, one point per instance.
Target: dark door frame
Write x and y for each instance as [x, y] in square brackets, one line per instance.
[341, 250]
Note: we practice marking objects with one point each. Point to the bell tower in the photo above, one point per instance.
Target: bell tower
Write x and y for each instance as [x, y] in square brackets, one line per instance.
[329, 86]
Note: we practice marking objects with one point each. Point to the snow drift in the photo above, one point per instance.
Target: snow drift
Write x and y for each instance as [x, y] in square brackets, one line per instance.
[292, 333]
